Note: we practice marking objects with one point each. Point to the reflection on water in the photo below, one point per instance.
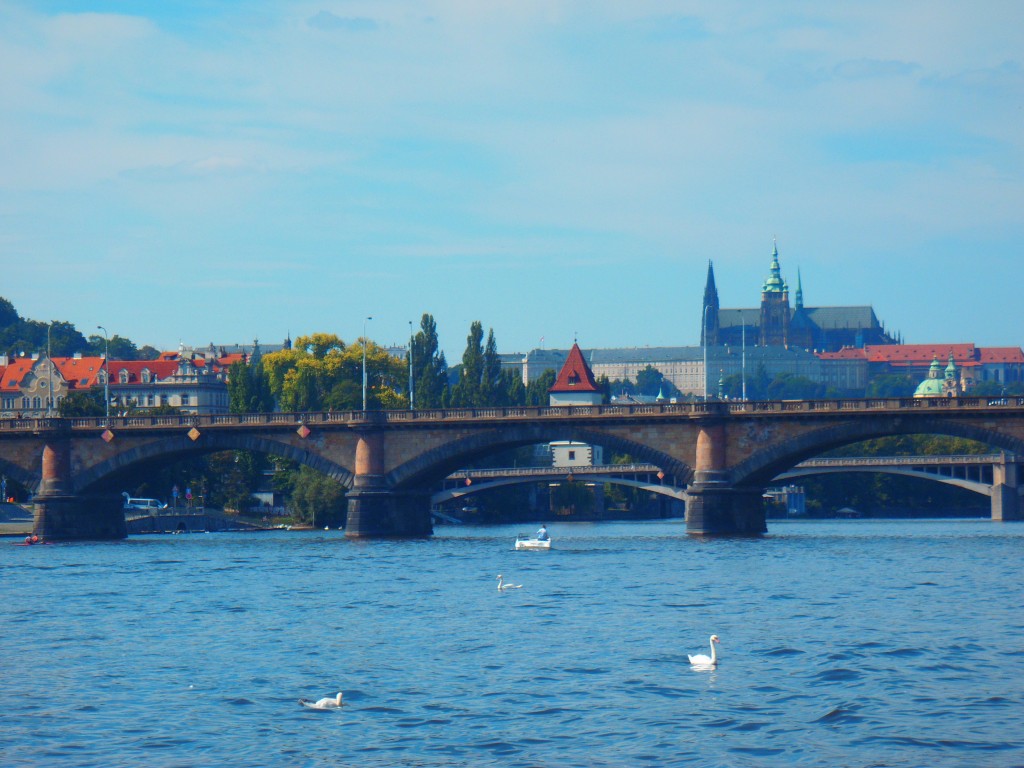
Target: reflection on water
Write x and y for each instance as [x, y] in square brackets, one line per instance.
[842, 643]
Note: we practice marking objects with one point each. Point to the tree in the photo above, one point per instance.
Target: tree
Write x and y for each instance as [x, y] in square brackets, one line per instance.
[787, 386]
[648, 381]
[467, 391]
[430, 369]
[320, 372]
[537, 390]
[248, 388]
[8, 314]
[891, 385]
[83, 403]
[317, 499]
[118, 348]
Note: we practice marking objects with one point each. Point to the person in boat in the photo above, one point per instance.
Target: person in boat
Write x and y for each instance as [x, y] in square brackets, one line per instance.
[542, 534]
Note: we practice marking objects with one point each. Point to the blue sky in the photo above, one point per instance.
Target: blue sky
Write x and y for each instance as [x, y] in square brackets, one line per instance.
[218, 171]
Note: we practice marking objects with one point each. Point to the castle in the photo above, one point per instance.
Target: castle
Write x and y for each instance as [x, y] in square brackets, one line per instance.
[776, 324]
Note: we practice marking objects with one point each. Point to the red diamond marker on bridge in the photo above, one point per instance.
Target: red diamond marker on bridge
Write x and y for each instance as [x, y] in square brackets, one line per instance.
[194, 434]
[303, 431]
[107, 435]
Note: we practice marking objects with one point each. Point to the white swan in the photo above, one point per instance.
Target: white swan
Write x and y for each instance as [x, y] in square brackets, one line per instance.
[700, 660]
[327, 703]
[502, 586]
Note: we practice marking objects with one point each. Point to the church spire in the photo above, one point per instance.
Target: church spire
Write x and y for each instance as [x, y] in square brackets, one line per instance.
[774, 283]
[799, 290]
[709, 310]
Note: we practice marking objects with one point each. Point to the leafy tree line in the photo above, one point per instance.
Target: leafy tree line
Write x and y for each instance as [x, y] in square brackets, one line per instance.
[20, 335]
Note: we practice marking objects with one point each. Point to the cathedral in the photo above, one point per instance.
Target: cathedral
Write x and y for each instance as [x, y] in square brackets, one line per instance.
[777, 324]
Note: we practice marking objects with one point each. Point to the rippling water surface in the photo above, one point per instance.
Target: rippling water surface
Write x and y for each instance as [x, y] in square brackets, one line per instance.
[852, 643]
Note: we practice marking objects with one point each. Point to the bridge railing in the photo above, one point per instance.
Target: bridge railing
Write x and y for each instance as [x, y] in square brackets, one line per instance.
[668, 410]
[905, 461]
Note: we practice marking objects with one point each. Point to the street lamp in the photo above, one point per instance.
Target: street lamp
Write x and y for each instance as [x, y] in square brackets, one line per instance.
[410, 366]
[704, 339]
[106, 371]
[49, 374]
[364, 361]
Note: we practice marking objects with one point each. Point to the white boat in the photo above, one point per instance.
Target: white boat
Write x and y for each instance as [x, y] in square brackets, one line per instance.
[527, 542]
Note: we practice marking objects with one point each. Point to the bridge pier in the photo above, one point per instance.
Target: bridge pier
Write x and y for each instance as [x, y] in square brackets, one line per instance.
[375, 510]
[62, 515]
[713, 505]
[1005, 489]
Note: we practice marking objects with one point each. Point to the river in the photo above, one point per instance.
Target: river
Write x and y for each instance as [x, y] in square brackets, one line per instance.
[843, 643]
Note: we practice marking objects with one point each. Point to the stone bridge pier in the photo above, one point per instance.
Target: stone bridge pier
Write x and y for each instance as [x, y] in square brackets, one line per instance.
[714, 505]
[62, 514]
[1006, 489]
[375, 509]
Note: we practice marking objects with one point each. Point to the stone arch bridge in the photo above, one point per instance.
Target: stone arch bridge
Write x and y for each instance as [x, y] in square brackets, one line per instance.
[726, 452]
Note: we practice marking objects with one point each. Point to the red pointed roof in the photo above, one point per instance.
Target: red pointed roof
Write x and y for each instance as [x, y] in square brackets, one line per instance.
[575, 375]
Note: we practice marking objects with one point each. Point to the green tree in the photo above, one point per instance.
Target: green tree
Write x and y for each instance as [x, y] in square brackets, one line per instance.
[467, 392]
[119, 348]
[891, 385]
[248, 386]
[788, 386]
[317, 499]
[537, 390]
[648, 381]
[8, 314]
[83, 403]
[430, 369]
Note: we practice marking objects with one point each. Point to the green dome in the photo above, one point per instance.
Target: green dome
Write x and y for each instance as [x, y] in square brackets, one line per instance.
[929, 388]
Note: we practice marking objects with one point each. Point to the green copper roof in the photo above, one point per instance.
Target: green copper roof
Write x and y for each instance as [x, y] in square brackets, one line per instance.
[775, 283]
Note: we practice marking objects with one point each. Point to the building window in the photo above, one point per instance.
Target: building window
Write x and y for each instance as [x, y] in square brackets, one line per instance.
[145, 375]
[26, 403]
[572, 455]
[184, 399]
[37, 403]
[122, 376]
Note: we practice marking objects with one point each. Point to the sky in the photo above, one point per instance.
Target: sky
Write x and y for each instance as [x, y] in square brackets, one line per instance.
[200, 171]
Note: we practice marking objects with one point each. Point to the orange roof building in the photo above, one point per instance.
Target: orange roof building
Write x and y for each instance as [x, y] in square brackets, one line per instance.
[575, 383]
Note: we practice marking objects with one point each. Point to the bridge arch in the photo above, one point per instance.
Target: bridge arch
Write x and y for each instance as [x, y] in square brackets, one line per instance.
[180, 446]
[29, 480]
[985, 489]
[436, 464]
[670, 491]
[770, 462]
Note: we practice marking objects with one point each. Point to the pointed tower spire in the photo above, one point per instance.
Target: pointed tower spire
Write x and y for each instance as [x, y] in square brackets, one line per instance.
[709, 311]
[799, 290]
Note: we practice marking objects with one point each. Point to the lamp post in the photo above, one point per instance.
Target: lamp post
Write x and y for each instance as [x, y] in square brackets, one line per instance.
[743, 325]
[410, 367]
[704, 339]
[364, 361]
[106, 371]
[49, 372]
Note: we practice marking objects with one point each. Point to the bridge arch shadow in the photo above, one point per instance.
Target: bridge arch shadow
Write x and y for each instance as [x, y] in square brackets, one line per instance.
[181, 447]
[767, 464]
[433, 466]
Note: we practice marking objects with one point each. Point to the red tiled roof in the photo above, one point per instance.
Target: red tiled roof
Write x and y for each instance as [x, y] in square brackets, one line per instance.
[575, 375]
[79, 371]
[919, 353]
[846, 353]
[1002, 355]
[161, 368]
[11, 376]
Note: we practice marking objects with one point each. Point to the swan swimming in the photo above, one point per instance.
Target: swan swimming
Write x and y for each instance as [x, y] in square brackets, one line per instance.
[502, 586]
[700, 660]
[327, 703]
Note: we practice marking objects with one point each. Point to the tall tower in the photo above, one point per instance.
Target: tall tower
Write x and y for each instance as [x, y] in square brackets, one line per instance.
[775, 306]
[709, 311]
